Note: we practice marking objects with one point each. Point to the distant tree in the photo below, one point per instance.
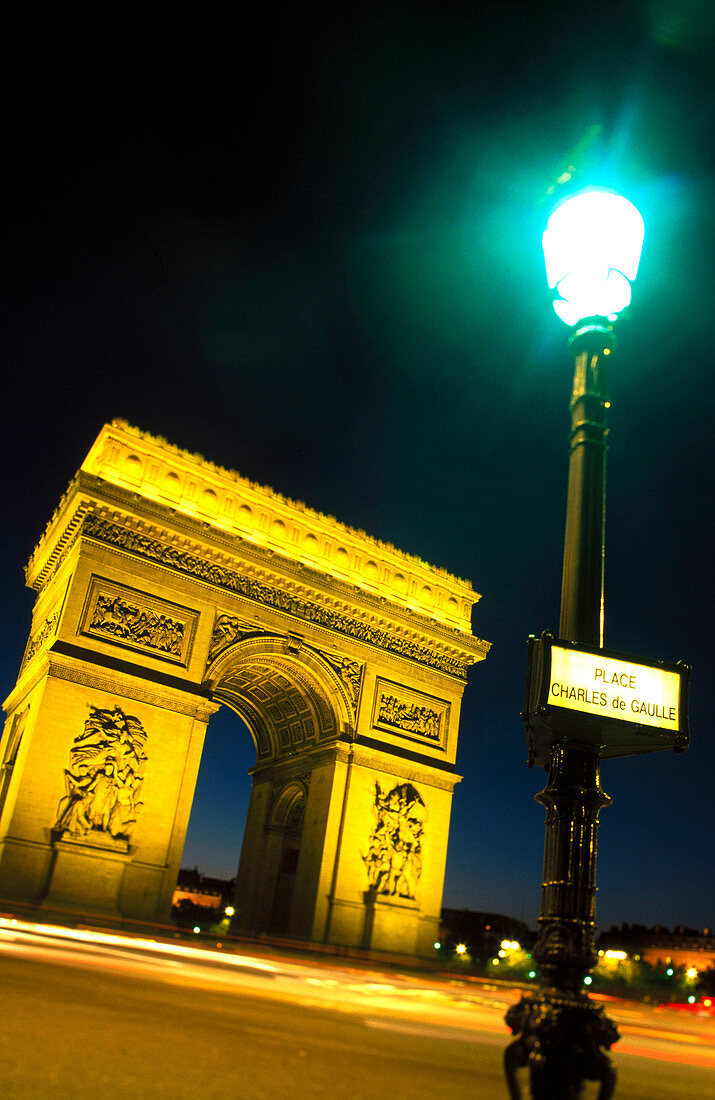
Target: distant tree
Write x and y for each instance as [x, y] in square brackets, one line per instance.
[187, 914]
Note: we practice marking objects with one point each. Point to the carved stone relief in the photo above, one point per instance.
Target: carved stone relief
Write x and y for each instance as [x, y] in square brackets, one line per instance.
[104, 777]
[115, 616]
[350, 672]
[41, 637]
[138, 620]
[332, 617]
[410, 713]
[227, 630]
[404, 716]
[394, 857]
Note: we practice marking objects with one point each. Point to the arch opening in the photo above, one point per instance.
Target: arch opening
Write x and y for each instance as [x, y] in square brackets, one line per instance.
[287, 821]
[221, 796]
[290, 696]
[294, 706]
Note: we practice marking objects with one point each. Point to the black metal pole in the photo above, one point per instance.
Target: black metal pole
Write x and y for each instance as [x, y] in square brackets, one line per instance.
[584, 539]
[558, 1032]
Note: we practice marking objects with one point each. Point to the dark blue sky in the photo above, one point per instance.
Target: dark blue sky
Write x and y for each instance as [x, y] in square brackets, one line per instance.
[311, 252]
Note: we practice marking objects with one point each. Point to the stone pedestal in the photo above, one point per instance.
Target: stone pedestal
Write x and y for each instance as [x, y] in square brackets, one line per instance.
[87, 874]
[391, 923]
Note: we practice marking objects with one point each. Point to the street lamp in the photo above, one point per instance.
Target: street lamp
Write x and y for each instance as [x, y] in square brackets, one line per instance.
[592, 247]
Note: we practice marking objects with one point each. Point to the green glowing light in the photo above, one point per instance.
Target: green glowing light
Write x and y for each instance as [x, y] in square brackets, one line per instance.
[587, 980]
[592, 247]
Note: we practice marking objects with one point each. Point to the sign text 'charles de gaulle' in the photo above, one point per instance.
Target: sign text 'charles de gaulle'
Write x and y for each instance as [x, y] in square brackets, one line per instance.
[620, 705]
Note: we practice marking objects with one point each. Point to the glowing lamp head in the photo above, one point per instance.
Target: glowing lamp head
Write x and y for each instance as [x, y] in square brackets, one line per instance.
[592, 247]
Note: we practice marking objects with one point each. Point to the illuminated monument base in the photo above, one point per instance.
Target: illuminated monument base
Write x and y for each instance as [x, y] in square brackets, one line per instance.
[167, 587]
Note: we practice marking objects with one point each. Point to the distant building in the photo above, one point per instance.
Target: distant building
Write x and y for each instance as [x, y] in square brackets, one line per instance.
[682, 947]
[207, 893]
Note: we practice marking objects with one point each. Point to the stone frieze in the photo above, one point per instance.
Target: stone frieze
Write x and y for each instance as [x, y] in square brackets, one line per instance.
[350, 672]
[40, 639]
[408, 716]
[185, 561]
[410, 713]
[120, 619]
[138, 620]
[227, 630]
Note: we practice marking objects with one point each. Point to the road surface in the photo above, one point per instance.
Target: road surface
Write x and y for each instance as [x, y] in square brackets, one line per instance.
[92, 1015]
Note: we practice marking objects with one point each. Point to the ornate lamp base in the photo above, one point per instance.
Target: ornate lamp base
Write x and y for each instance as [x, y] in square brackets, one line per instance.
[559, 1037]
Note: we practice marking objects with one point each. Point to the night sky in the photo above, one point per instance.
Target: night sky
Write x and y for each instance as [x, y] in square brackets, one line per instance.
[309, 248]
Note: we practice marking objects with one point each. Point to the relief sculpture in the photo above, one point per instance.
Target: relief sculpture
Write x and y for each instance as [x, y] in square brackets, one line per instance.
[394, 858]
[142, 626]
[227, 630]
[39, 640]
[104, 777]
[350, 672]
[333, 618]
[413, 718]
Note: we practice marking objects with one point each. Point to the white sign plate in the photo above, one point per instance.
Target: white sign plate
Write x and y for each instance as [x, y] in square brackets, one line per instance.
[594, 684]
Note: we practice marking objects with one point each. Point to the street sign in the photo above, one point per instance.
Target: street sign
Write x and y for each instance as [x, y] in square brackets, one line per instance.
[620, 705]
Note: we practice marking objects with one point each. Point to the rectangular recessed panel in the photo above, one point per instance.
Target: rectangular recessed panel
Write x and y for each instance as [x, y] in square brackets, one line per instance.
[137, 620]
[412, 714]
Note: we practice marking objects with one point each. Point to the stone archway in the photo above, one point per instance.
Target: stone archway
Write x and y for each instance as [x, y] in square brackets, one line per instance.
[297, 708]
[167, 587]
[285, 831]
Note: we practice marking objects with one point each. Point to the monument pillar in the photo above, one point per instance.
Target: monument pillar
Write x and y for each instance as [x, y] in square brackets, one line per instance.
[100, 791]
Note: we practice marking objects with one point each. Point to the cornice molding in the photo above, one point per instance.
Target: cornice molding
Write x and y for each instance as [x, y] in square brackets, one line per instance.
[230, 506]
[311, 607]
[39, 572]
[209, 541]
[117, 504]
[118, 436]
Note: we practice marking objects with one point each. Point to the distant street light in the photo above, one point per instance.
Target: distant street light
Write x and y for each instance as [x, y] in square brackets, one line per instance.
[592, 247]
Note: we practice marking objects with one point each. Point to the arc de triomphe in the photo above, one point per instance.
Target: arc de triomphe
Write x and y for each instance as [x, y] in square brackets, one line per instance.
[167, 587]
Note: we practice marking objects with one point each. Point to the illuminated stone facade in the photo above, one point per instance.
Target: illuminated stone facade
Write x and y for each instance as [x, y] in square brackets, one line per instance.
[167, 587]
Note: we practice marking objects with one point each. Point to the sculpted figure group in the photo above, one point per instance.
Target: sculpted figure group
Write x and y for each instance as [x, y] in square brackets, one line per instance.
[104, 778]
[416, 719]
[394, 858]
[113, 615]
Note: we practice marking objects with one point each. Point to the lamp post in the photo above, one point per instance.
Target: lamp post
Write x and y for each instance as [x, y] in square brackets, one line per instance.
[592, 248]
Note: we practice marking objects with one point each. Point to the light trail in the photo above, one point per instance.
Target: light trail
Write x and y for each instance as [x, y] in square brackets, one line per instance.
[129, 943]
[447, 1009]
